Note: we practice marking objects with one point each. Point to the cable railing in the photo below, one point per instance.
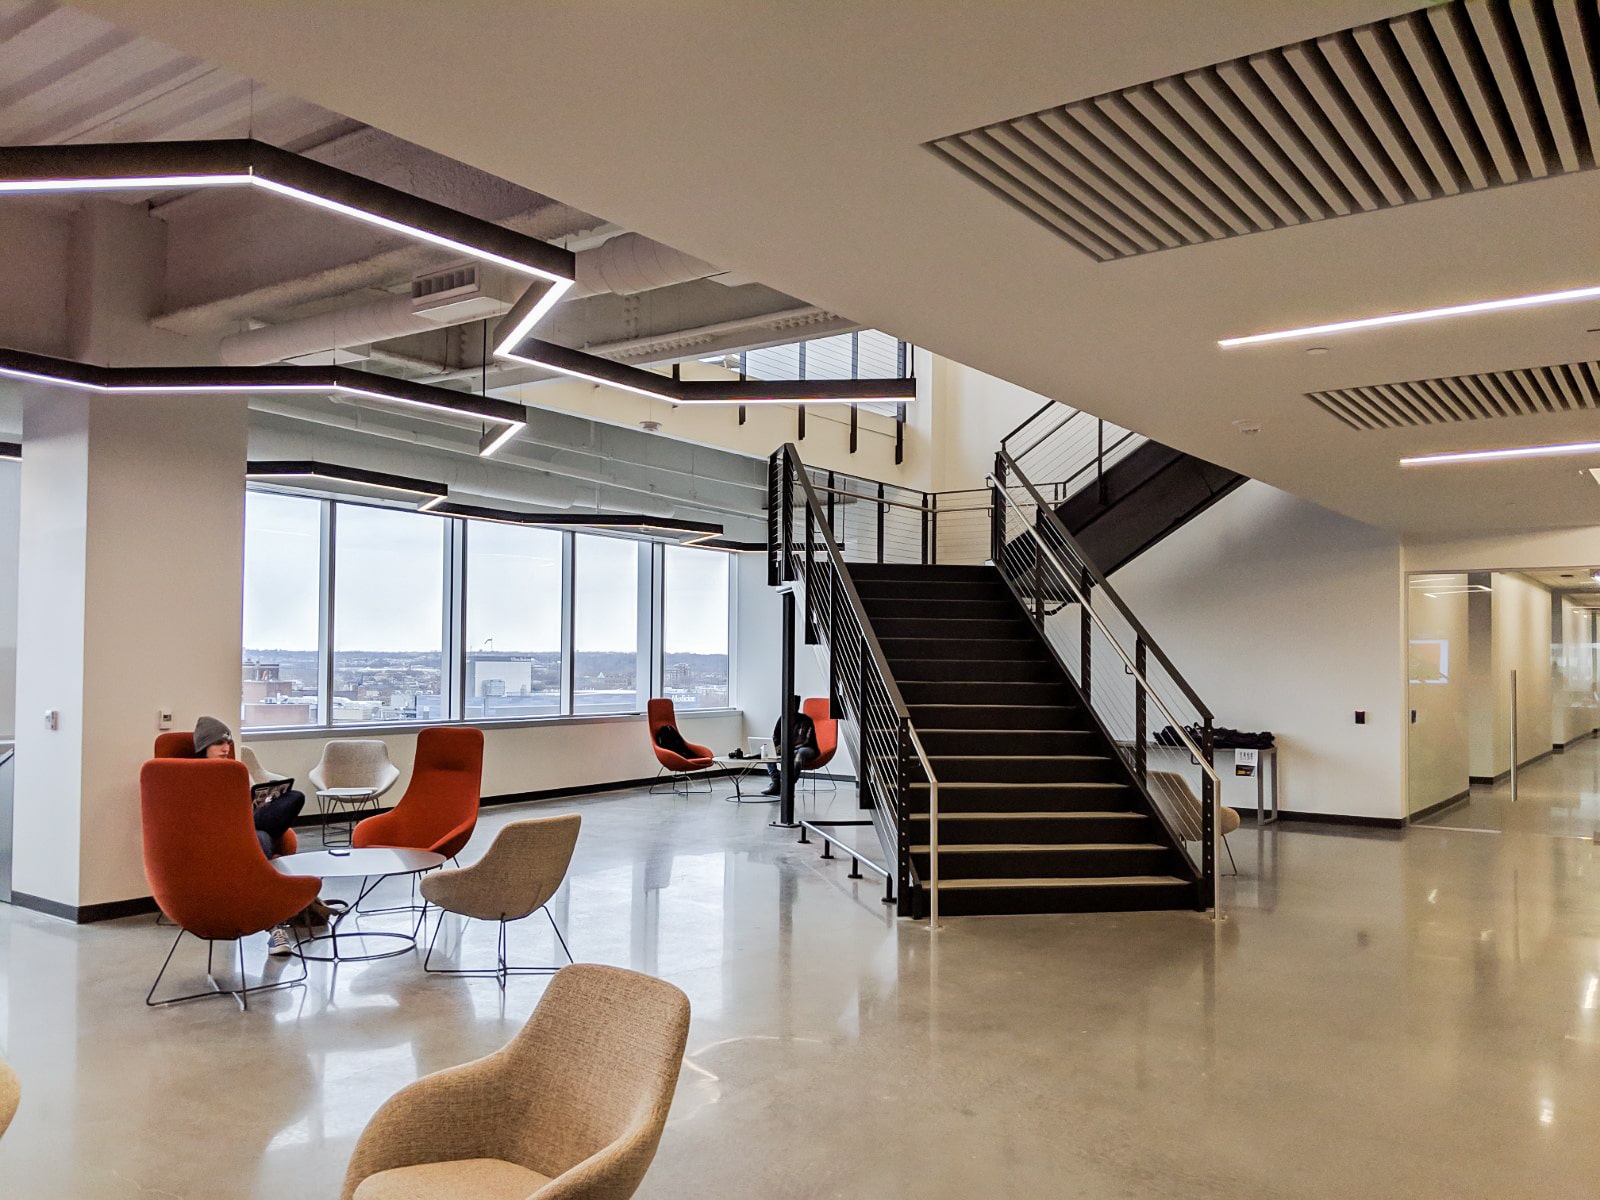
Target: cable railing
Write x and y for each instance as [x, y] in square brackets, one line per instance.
[1146, 708]
[804, 549]
[1066, 450]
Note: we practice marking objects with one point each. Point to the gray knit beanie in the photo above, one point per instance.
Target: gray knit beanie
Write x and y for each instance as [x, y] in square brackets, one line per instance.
[208, 731]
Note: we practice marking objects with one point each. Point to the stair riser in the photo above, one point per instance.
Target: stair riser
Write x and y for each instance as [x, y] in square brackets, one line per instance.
[1052, 831]
[1001, 798]
[941, 742]
[910, 670]
[988, 718]
[1081, 899]
[1047, 864]
[993, 589]
[930, 649]
[913, 627]
[985, 609]
[987, 693]
[898, 573]
[1027, 770]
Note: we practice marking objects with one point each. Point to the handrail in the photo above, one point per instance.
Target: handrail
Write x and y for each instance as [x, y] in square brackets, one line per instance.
[1068, 575]
[790, 455]
[852, 597]
[1047, 513]
[1031, 418]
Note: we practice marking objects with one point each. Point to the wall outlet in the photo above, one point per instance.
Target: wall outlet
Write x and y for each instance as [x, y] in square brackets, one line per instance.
[164, 718]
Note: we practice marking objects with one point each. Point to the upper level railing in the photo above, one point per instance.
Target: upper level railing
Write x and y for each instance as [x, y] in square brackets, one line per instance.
[1146, 708]
[1065, 450]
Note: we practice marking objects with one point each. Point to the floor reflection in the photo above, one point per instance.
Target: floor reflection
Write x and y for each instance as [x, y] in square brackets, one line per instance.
[1428, 1005]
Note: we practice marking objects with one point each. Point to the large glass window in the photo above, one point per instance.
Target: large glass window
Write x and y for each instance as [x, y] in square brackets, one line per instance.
[605, 635]
[282, 591]
[694, 628]
[388, 616]
[513, 622]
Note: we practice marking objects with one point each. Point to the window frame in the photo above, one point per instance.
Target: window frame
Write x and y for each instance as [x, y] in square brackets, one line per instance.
[650, 649]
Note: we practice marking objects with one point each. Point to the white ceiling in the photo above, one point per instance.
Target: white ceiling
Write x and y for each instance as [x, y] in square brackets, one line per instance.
[785, 142]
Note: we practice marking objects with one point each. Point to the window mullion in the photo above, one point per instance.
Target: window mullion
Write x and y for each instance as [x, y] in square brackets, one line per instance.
[568, 584]
[325, 584]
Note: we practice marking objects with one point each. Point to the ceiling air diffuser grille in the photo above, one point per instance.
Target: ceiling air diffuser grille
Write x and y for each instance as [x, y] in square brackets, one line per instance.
[1456, 97]
[1568, 387]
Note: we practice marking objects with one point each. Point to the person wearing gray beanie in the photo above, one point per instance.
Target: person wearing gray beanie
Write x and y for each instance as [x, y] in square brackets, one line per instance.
[212, 739]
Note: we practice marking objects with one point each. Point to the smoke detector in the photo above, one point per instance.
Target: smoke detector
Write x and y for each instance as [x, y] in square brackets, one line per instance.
[650, 426]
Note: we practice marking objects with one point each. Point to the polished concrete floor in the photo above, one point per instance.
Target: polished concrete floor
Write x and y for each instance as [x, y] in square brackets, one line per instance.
[1380, 1016]
[1558, 796]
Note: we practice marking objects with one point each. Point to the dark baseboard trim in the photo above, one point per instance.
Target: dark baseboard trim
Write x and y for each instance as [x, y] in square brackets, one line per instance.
[88, 913]
[1447, 802]
[1311, 818]
[1561, 747]
[1497, 780]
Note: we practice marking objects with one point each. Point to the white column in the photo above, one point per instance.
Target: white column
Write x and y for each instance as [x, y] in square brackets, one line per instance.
[129, 601]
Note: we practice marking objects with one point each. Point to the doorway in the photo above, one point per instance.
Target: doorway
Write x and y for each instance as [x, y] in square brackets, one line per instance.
[1504, 708]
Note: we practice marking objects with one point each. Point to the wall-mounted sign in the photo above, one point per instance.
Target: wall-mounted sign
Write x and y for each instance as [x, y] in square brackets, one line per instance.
[1245, 762]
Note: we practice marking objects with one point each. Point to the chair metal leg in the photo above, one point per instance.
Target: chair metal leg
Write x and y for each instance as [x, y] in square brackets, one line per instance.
[1231, 863]
[240, 994]
[502, 968]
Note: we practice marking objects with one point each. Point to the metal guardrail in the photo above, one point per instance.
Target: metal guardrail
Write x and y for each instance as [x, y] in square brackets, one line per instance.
[1084, 622]
[805, 550]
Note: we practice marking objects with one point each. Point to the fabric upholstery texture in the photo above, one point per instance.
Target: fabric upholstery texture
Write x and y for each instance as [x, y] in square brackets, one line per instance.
[440, 807]
[355, 763]
[521, 870]
[180, 744]
[201, 856]
[10, 1095]
[818, 709]
[469, 1179]
[1175, 786]
[580, 1095]
[661, 712]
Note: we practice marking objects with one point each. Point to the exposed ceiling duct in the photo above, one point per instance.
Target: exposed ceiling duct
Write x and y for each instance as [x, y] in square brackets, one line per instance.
[626, 265]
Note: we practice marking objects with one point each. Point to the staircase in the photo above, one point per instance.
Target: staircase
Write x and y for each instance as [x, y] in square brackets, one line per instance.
[1037, 811]
[1140, 499]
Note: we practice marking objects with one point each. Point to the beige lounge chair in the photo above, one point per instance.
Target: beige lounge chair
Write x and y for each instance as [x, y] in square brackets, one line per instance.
[571, 1109]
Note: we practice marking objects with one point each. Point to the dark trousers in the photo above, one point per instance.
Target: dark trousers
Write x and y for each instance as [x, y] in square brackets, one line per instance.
[274, 818]
[802, 758]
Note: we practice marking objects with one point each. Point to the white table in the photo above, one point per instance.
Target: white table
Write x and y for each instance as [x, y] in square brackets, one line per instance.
[354, 800]
[736, 769]
[372, 866]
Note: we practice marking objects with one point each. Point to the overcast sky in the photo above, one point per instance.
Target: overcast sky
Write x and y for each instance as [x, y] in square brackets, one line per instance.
[389, 584]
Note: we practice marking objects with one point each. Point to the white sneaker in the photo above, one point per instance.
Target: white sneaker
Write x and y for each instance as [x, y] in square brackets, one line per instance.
[279, 943]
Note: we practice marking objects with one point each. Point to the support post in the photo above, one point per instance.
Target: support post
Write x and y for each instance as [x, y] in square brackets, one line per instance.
[1208, 822]
[1141, 735]
[786, 780]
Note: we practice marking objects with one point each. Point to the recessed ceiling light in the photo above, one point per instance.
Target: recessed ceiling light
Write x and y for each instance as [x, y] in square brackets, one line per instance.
[1421, 314]
[1461, 456]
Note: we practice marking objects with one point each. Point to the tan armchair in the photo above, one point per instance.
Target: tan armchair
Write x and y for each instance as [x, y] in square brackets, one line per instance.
[571, 1109]
[10, 1095]
[522, 869]
[1175, 788]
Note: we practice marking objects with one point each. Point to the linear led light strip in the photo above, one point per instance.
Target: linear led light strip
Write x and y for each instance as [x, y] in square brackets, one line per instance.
[491, 443]
[1464, 456]
[1421, 314]
[558, 285]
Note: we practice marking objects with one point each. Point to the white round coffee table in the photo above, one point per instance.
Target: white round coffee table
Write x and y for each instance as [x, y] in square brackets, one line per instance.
[736, 769]
[372, 866]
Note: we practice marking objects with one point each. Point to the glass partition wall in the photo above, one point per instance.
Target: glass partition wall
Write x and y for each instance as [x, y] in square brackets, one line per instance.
[359, 615]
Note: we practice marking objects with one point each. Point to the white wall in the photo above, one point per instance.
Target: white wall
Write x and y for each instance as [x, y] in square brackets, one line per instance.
[1437, 760]
[10, 519]
[129, 600]
[1288, 617]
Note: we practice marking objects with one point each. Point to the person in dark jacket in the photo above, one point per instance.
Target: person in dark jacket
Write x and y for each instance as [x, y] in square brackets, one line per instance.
[805, 745]
[213, 739]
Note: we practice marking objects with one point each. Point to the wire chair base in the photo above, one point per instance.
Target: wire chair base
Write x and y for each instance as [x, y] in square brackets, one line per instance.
[502, 969]
[241, 995]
